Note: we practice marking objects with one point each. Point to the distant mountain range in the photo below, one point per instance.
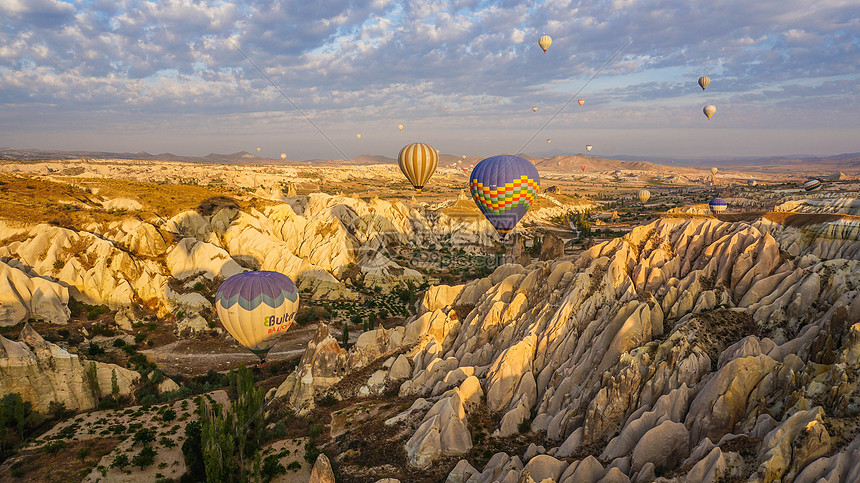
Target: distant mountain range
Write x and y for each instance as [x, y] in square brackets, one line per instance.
[812, 164]
[767, 164]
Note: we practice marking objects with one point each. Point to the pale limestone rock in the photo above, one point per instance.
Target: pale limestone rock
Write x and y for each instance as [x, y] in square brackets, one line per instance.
[544, 466]
[23, 297]
[571, 444]
[722, 401]
[167, 386]
[793, 444]
[439, 296]
[192, 324]
[470, 392]
[400, 369]
[461, 473]
[322, 472]
[126, 379]
[615, 475]
[190, 257]
[589, 470]
[322, 365]
[42, 372]
[716, 466]
[665, 445]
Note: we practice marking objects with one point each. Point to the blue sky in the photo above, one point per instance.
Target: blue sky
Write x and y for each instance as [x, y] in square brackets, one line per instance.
[164, 76]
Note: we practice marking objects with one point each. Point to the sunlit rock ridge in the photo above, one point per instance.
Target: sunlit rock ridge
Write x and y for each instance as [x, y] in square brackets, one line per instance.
[692, 349]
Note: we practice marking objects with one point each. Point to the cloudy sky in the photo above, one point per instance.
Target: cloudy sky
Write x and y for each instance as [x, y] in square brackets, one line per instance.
[169, 76]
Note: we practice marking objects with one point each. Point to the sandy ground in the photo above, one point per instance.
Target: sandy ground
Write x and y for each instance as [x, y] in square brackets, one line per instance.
[95, 425]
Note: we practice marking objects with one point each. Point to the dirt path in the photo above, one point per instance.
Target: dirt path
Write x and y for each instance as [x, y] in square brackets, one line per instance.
[190, 357]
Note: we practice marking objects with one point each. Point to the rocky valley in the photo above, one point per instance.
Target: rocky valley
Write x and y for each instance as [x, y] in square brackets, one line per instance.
[607, 340]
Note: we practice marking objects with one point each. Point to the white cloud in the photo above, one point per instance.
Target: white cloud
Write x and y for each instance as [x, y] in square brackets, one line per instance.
[351, 61]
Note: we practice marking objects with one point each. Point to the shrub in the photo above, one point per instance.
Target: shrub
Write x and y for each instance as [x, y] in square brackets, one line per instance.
[120, 461]
[118, 342]
[54, 447]
[168, 415]
[145, 458]
[294, 466]
[58, 264]
[272, 468]
[94, 350]
[144, 436]
[84, 451]
[198, 286]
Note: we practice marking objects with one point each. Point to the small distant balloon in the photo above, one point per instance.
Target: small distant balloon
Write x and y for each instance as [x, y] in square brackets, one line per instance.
[464, 156]
[617, 173]
[283, 156]
[534, 109]
[589, 147]
[358, 136]
[812, 185]
[704, 81]
[717, 205]
[258, 150]
[400, 127]
[548, 141]
[752, 182]
[714, 171]
[709, 110]
[644, 196]
[582, 167]
[545, 41]
[581, 101]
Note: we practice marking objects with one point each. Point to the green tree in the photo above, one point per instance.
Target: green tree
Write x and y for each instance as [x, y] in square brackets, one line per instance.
[345, 335]
[120, 461]
[114, 384]
[145, 458]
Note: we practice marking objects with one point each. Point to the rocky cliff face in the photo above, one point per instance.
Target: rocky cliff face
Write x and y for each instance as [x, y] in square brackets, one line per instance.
[24, 296]
[42, 373]
[690, 347]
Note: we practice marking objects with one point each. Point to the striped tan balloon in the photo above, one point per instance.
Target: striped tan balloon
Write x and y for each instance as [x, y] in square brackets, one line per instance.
[418, 162]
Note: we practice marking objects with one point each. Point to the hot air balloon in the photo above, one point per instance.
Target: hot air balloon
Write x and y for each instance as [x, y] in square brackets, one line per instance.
[644, 196]
[714, 171]
[752, 182]
[717, 205]
[704, 81]
[548, 140]
[504, 187]
[581, 101]
[545, 41]
[400, 127]
[283, 156]
[256, 308]
[812, 185]
[358, 136]
[258, 150]
[617, 173]
[709, 110]
[583, 167]
[534, 109]
[589, 147]
[418, 162]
